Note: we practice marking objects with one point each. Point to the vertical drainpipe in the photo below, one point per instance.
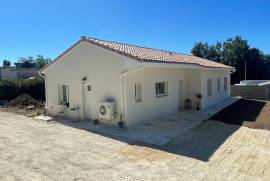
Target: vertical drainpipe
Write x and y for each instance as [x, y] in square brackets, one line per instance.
[45, 78]
[83, 80]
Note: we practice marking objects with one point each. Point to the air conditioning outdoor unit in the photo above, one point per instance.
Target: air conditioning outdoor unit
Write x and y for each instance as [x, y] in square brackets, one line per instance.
[106, 110]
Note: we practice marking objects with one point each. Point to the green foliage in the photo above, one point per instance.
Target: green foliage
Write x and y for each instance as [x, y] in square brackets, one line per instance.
[6, 63]
[29, 59]
[28, 62]
[41, 61]
[10, 89]
[235, 52]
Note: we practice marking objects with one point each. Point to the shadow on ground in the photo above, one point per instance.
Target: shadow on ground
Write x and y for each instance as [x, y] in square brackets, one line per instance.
[200, 142]
[246, 112]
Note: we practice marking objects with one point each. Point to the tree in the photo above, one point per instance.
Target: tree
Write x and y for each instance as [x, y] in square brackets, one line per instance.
[30, 59]
[6, 63]
[236, 52]
[200, 49]
[28, 62]
[41, 61]
[204, 50]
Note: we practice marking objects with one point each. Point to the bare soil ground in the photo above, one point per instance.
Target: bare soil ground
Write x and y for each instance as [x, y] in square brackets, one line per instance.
[247, 112]
[37, 150]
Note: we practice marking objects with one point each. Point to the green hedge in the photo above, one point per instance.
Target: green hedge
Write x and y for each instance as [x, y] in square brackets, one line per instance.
[10, 89]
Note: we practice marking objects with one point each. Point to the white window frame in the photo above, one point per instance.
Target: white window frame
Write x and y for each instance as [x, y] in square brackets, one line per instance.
[225, 84]
[138, 92]
[218, 84]
[158, 89]
[63, 97]
[209, 87]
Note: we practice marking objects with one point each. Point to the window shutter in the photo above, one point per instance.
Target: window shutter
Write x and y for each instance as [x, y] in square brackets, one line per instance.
[166, 88]
[209, 87]
[157, 89]
[225, 83]
[218, 84]
[135, 91]
[60, 97]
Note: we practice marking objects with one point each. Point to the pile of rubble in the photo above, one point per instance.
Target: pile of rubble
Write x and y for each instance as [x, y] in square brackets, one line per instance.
[23, 101]
[26, 105]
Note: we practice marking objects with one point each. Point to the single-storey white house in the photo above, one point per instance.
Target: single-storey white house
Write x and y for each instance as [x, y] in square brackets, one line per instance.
[112, 81]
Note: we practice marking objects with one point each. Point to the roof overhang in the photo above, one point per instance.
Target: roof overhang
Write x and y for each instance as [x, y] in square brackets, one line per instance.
[184, 66]
[145, 63]
[45, 68]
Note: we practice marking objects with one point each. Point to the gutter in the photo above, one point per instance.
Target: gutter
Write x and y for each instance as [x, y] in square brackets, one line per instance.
[122, 116]
[41, 75]
[232, 71]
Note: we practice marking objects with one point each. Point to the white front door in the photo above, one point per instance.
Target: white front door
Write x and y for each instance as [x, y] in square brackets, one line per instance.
[180, 94]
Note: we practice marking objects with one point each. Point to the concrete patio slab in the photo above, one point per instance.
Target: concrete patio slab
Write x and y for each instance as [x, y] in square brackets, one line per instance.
[156, 132]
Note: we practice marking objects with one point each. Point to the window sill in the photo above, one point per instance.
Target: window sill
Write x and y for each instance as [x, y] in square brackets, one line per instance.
[158, 96]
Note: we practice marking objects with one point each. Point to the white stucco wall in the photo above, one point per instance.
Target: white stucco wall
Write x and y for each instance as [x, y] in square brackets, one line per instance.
[217, 96]
[102, 69]
[152, 107]
[6, 72]
[193, 85]
[22, 73]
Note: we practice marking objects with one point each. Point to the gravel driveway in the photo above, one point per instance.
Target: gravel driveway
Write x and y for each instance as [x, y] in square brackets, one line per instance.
[36, 150]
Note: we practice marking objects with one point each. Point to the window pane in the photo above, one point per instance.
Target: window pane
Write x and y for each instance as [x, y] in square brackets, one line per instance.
[218, 84]
[135, 92]
[138, 92]
[157, 92]
[88, 87]
[162, 88]
[64, 93]
[60, 97]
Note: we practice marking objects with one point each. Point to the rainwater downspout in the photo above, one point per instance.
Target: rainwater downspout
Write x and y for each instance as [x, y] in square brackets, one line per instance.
[45, 78]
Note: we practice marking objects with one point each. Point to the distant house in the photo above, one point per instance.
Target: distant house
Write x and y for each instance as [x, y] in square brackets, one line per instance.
[112, 82]
[19, 71]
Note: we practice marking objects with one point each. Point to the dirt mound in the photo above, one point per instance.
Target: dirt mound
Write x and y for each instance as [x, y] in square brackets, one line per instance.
[24, 100]
[246, 112]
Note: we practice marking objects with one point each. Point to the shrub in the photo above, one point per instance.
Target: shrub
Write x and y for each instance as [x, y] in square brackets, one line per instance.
[10, 89]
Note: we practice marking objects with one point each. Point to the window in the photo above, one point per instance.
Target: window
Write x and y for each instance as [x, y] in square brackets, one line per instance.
[161, 89]
[209, 87]
[63, 94]
[138, 92]
[218, 84]
[225, 84]
[89, 88]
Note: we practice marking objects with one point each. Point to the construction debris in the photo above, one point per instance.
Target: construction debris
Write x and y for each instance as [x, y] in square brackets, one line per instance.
[26, 105]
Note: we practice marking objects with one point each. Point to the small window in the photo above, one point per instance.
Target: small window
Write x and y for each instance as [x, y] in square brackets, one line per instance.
[225, 84]
[89, 88]
[63, 94]
[161, 89]
[218, 84]
[209, 87]
[138, 92]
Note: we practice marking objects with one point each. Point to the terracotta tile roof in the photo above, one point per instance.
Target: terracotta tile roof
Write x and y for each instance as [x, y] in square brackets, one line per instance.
[144, 54]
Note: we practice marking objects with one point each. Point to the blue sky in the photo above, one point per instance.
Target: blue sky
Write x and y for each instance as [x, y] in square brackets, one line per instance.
[32, 27]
